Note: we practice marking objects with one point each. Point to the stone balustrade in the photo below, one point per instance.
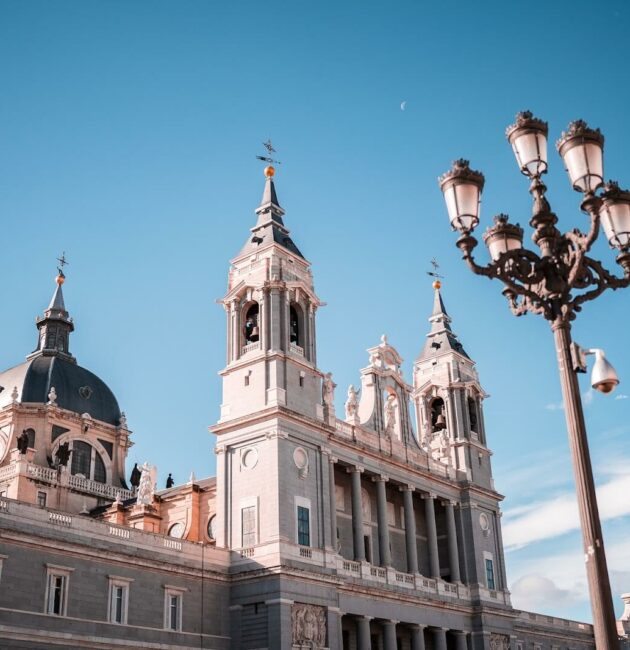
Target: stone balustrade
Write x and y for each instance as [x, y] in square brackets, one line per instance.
[15, 514]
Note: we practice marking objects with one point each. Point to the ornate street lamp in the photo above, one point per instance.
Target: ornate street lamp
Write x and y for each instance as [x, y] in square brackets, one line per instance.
[554, 282]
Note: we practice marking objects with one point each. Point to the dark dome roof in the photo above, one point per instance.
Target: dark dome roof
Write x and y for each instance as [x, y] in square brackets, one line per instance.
[77, 389]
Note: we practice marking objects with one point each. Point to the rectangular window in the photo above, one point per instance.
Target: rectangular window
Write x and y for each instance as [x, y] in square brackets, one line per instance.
[490, 574]
[118, 599]
[340, 497]
[248, 526]
[304, 526]
[2, 559]
[41, 499]
[174, 608]
[57, 580]
[173, 603]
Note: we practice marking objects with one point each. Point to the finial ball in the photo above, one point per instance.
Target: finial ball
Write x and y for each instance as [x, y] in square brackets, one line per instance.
[437, 284]
[270, 171]
[60, 279]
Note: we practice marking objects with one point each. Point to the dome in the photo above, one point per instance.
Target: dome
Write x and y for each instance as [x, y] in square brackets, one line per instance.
[78, 389]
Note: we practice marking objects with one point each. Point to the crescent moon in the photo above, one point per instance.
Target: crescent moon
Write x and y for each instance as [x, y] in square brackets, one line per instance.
[403, 106]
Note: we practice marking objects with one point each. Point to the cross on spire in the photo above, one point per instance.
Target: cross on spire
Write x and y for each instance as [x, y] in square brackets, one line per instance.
[62, 262]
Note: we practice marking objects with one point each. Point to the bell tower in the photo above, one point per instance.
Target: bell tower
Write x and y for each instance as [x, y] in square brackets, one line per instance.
[448, 400]
[270, 306]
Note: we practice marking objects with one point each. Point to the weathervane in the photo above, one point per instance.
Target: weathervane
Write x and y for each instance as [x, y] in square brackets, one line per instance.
[62, 262]
[434, 273]
[269, 147]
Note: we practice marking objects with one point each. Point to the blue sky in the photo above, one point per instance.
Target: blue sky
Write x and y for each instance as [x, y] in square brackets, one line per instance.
[128, 132]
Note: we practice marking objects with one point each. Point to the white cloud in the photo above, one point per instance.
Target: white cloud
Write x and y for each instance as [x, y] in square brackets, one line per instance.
[555, 406]
[587, 399]
[621, 396]
[552, 517]
[536, 592]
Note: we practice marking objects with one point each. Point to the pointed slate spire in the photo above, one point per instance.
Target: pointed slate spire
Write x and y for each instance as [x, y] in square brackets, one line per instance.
[55, 326]
[269, 228]
[440, 338]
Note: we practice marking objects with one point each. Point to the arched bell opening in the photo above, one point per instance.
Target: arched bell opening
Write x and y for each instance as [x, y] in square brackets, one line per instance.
[438, 415]
[472, 414]
[251, 323]
[296, 324]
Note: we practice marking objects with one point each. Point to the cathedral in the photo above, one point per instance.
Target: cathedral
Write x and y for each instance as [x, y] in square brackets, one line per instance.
[375, 528]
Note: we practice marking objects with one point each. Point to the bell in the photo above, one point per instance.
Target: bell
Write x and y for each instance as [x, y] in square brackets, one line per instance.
[440, 423]
[254, 334]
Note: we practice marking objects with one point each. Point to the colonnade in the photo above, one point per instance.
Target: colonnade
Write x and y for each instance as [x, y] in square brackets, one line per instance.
[391, 630]
[385, 559]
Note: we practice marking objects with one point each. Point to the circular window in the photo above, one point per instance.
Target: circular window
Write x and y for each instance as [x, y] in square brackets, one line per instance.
[249, 458]
[212, 527]
[484, 522]
[300, 458]
[177, 530]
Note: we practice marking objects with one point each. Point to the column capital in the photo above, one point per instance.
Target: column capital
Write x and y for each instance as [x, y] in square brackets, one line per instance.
[450, 502]
[407, 488]
[380, 478]
[279, 601]
[417, 626]
[363, 617]
[390, 622]
[354, 469]
[428, 495]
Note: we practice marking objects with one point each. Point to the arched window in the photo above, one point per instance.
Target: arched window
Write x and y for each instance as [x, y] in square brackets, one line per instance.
[100, 476]
[82, 462]
[81, 458]
[438, 415]
[251, 329]
[296, 319]
[472, 414]
[31, 437]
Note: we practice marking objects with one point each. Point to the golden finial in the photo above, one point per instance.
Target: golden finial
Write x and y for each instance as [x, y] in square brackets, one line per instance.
[436, 283]
[270, 171]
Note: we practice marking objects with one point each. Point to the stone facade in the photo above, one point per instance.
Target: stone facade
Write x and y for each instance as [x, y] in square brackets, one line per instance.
[381, 529]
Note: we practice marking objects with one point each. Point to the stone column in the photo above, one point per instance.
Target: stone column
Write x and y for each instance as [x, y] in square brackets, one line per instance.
[417, 637]
[357, 514]
[410, 529]
[364, 640]
[453, 550]
[383, 526]
[279, 626]
[236, 334]
[335, 637]
[439, 638]
[333, 502]
[389, 635]
[460, 641]
[434, 558]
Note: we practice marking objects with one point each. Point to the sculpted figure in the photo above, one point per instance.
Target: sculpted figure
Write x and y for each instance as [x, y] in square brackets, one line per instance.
[352, 403]
[146, 488]
[390, 414]
[328, 389]
[52, 396]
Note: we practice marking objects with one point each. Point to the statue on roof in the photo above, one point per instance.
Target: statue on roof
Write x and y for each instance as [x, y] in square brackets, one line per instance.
[134, 479]
[146, 488]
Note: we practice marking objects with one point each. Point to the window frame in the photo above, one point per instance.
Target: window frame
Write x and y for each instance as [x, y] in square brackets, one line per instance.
[170, 592]
[124, 583]
[2, 559]
[245, 504]
[304, 504]
[57, 571]
[489, 558]
[42, 498]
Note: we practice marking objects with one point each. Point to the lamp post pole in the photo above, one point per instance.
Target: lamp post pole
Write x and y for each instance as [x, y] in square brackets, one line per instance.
[594, 555]
[554, 283]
